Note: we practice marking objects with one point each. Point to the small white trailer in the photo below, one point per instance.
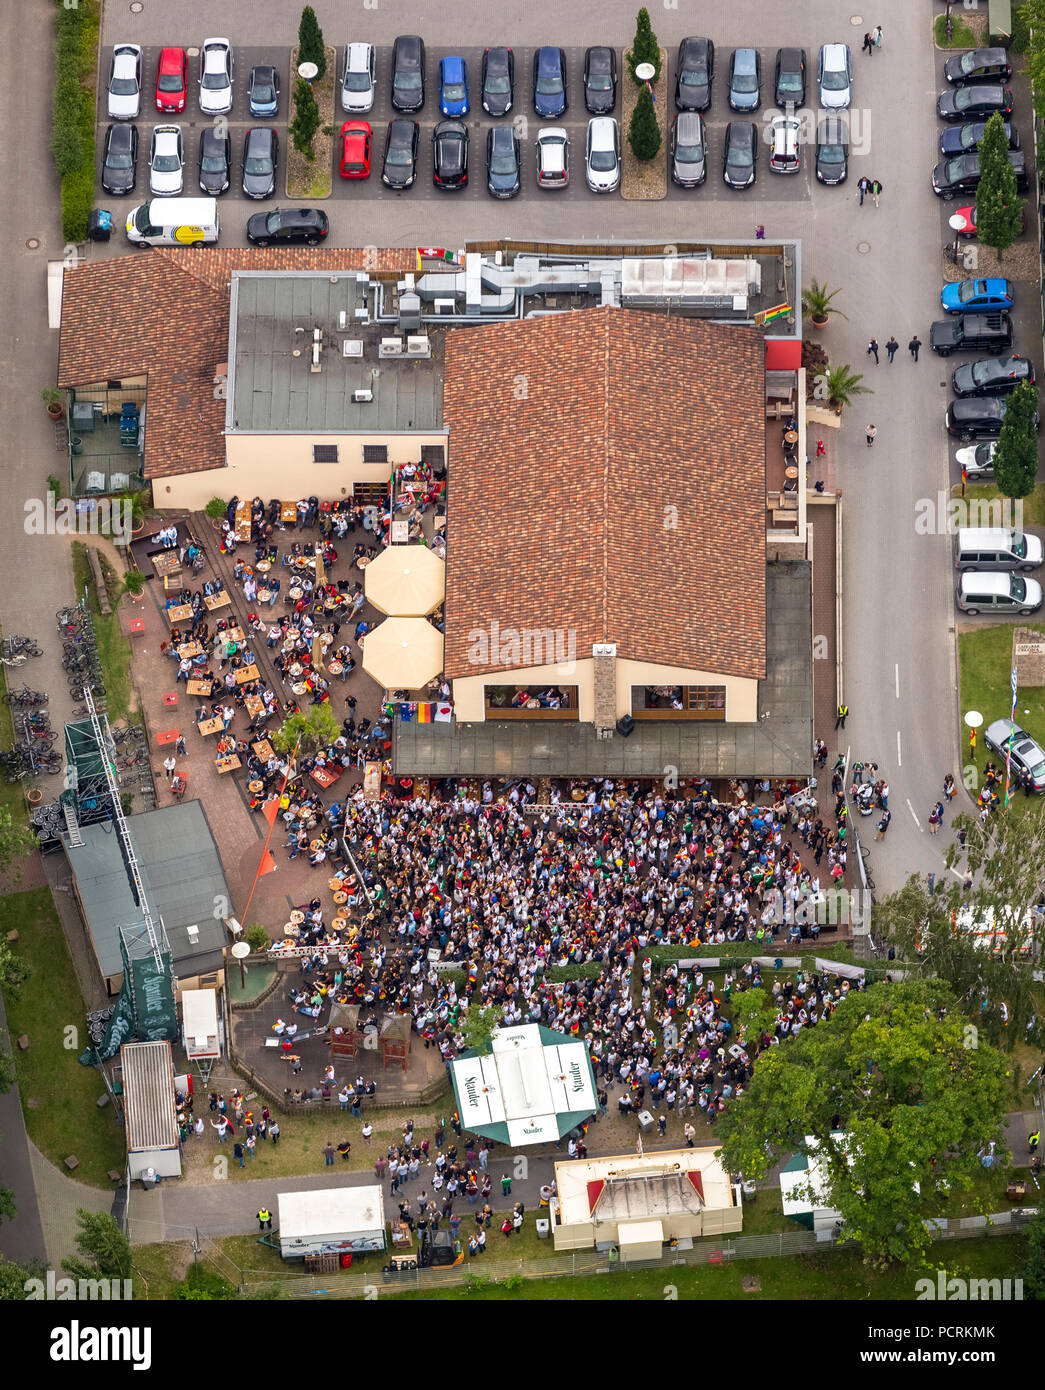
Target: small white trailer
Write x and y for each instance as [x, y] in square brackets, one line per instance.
[331, 1221]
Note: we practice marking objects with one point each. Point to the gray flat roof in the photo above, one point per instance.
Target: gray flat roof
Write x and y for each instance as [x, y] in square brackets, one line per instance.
[273, 392]
[778, 745]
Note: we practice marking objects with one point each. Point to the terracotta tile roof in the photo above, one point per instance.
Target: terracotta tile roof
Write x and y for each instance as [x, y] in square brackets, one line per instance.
[166, 313]
[573, 440]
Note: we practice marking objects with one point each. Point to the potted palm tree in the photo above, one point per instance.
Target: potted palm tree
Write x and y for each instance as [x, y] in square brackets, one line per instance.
[134, 584]
[215, 512]
[52, 399]
[842, 385]
[816, 301]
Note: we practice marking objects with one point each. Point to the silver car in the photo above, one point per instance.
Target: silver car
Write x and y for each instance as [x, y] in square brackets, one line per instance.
[124, 91]
[689, 150]
[166, 161]
[216, 77]
[357, 78]
[602, 155]
[1026, 754]
[835, 77]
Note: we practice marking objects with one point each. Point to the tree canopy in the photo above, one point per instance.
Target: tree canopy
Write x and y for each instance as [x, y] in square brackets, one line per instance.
[999, 209]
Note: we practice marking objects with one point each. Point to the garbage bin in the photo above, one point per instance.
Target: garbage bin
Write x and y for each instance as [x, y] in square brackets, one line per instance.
[646, 1122]
[544, 1227]
[99, 225]
[346, 1259]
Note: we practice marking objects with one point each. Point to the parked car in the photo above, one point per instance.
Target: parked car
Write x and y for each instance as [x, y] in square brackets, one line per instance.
[602, 155]
[553, 157]
[976, 417]
[977, 66]
[215, 162]
[976, 296]
[600, 80]
[834, 76]
[976, 333]
[977, 459]
[1005, 735]
[408, 73]
[216, 77]
[263, 90]
[124, 88]
[288, 227]
[996, 592]
[550, 98]
[740, 155]
[992, 376]
[745, 80]
[965, 139]
[974, 103]
[453, 87]
[954, 177]
[789, 79]
[260, 157]
[498, 81]
[399, 168]
[358, 78]
[783, 148]
[172, 79]
[120, 159]
[166, 161]
[354, 152]
[503, 161]
[694, 74]
[450, 155]
[689, 150]
[832, 150]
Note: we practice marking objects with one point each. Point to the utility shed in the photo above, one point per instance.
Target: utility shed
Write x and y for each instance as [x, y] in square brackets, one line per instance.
[150, 1117]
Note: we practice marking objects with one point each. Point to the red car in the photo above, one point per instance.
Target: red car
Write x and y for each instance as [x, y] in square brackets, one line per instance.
[968, 216]
[172, 77]
[354, 161]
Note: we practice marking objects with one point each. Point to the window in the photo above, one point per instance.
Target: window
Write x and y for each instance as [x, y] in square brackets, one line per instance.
[678, 701]
[531, 702]
[433, 454]
[375, 453]
[324, 453]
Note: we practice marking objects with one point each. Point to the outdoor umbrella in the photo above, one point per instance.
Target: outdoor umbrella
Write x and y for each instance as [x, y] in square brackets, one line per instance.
[406, 581]
[403, 653]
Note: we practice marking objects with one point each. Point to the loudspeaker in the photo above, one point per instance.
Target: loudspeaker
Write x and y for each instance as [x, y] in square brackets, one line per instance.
[625, 725]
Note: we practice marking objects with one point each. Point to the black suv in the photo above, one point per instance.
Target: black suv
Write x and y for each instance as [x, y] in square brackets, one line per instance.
[990, 333]
[992, 376]
[953, 177]
[977, 66]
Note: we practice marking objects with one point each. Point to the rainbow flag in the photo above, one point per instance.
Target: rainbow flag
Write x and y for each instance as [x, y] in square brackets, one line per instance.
[780, 312]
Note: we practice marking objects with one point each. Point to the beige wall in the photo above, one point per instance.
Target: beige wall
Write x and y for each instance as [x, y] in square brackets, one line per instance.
[582, 1235]
[468, 690]
[741, 694]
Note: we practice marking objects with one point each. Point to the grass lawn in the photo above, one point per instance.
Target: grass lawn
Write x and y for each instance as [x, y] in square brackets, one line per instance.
[312, 178]
[1033, 513]
[67, 1119]
[985, 665]
[961, 35]
[114, 649]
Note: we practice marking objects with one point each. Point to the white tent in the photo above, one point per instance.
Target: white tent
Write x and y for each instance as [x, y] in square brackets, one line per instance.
[201, 1028]
[532, 1087]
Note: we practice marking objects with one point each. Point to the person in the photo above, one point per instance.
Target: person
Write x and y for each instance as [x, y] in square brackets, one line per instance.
[1033, 1140]
[949, 789]
[934, 821]
[237, 1152]
[819, 485]
[506, 1185]
[368, 1132]
[181, 747]
[344, 1149]
[760, 233]
[868, 44]
[328, 1153]
[169, 765]
[913, 346]
[872, 350]
[841, 715]
[199, 1127]
[690, 1134]
[821, 449]
[221, 1125]
[876, 36]
[264, 1219]
[864, 186]
[883, 825]
[876, 191]
[872, 433]
[892, 347]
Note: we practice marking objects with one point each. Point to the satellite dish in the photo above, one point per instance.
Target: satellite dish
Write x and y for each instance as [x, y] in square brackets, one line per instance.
[645, 72]
[308, 71]
[241, 950]
[974, 719]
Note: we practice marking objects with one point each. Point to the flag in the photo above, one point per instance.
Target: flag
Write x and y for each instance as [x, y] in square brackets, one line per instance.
[405, 713]
[424, 714]
[444, 713]
[270, 810]
[780, 312]
[267, 865]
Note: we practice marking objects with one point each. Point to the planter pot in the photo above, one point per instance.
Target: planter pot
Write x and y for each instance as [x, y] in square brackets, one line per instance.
[56, 410]
[34, 796]
[215, 522]
[137, 527]
[819, 323]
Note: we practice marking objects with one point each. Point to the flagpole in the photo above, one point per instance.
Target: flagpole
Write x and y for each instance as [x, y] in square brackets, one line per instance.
[1014, 682]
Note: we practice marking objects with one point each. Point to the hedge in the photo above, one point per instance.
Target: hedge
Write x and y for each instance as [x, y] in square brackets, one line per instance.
[72, 125]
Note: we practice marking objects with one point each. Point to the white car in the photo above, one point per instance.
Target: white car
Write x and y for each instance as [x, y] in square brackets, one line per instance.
[835, 77]
[602, 155]
[216, 77]
[357, 78]
[977, 459]
[166, 160]
[553, 157]
[125, 82]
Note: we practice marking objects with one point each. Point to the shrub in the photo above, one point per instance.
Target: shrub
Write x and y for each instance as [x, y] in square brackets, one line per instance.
[644, 133]
[77, 201]
[645, 47]
[311, 48]
[215, 508]
[306, 119]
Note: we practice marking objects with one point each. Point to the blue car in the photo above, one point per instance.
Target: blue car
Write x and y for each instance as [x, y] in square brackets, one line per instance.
[976, 296]
[453, 87]
[549, 82]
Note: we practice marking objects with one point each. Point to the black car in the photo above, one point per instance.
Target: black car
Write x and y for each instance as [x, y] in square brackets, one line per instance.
[450, 155]
[688, 158]
[400, 163]
[503, 161]
[288, 227]
[120, 159]
[498, 85]
[992, 376]
[953, 178]
[974, 103]
[977, 66]
[408, 73]
[832, 150]
[600, 80]
[972, 333]
[789, 82]
[260, 156]
[965, 139]
[694, 74]
[549, 82]
[215, 161]
[263, 90]
[740, 157]
[977, 417]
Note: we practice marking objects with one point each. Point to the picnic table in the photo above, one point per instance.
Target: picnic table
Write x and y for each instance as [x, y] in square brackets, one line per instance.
[190, 649]
[325, 776]
[204, 688]
[227, 764]
[210, 726]
[288, 512]
[166, 563]
[263, 749]
[242, 522]
[255, 707]
[234, 634]
[212, 602]
[247, 674]
[179, 613]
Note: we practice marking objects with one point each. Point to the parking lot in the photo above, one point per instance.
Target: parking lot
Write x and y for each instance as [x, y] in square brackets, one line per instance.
[795, 188]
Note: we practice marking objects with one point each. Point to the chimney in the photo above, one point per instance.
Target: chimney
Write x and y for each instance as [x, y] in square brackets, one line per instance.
[605, 666]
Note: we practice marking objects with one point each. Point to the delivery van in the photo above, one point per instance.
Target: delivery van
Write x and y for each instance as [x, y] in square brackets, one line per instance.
[173, 222]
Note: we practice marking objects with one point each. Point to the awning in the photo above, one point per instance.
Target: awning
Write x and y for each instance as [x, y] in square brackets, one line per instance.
[407, 581]
[403, 653]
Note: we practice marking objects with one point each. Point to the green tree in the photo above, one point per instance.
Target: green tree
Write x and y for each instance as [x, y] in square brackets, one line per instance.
[1032, 13]
[842, 384]
[16, 839]
[105, 1252]
[479, 1025]
[755, 1012]
[643, 132]
[306, 119]
[999, 208]
[310, 730]
[817, 301]
[645, 48]
[311, 48]
[1034, 1268]
[13, 1278]
[1016, 457]
[898, 1106]
[257, 938]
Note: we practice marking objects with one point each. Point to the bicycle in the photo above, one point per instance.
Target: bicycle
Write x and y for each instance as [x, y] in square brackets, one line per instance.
[26, 699]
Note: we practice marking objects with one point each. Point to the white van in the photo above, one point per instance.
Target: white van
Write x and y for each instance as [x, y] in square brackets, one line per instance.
[993, 591]
[996, 548]
[173, 222]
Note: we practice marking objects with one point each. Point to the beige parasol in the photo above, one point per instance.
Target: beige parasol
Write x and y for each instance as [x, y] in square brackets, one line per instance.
[406, 581]
[403, 653]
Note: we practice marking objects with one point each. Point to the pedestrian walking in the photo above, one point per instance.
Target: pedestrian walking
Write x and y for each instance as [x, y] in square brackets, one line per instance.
[932, 884]
[876, 191]
[883, 825]
[199, 1127]
[864, 186]
[841, 714]
[264, 1219]
[913, 346]
[1033, 1140]
[967, 881]
[690, 1134]
[876, 36]
[274, 1133]
[506, 1185]
[169, 764]
[251, 1145]
[872, 434]
[872, 350]
[868, 44]
[972, 742]
[821, 449]
[237, 1152]
[760, 233]
[662, 1122]
[892, 347]
[934, 821]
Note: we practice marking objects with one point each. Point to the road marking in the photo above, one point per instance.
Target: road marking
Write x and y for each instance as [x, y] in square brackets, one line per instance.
[897, 669]
[899, 757]
[911, 809]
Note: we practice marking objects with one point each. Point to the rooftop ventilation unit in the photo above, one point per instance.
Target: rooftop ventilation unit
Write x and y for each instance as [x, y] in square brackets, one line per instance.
[390, 347]
[352, 347]
[193, 933]
[419, 346]
[361, 397]
[444, 306]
